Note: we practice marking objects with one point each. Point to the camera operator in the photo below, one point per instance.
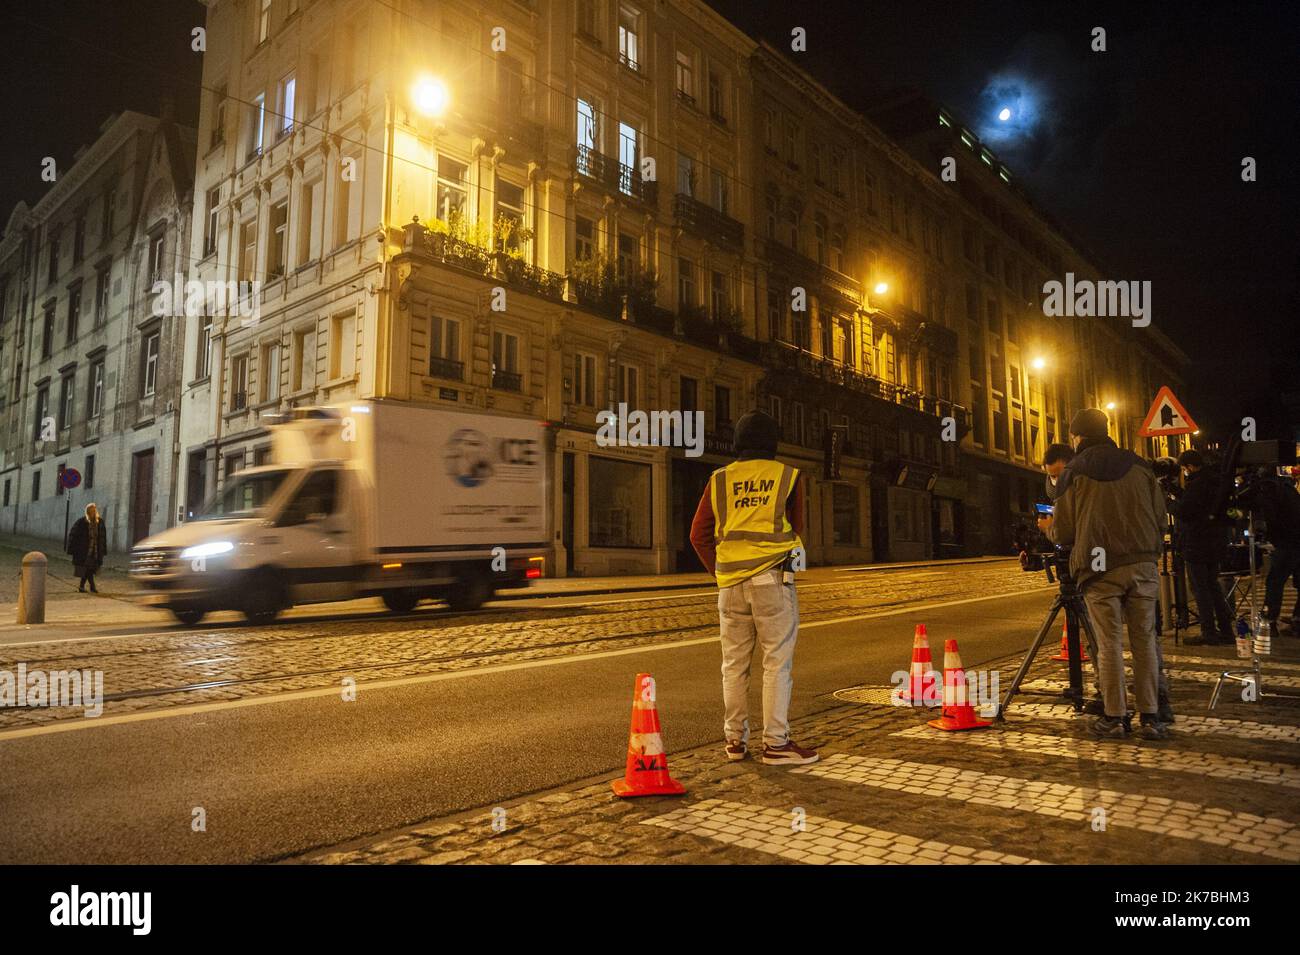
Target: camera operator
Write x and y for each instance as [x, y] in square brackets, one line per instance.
[1110, 508]
[1202, 536]
[1275, 499]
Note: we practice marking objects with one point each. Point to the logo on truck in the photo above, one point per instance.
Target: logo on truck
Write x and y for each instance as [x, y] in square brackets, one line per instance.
[468, 457]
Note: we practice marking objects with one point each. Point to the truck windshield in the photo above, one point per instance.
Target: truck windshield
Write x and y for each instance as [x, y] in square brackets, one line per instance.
[243, 495]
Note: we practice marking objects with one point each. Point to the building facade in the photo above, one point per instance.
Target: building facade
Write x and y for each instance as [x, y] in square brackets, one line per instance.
[88, 353]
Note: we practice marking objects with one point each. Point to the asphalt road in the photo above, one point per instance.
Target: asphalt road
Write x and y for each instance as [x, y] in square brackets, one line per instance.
[281, 774]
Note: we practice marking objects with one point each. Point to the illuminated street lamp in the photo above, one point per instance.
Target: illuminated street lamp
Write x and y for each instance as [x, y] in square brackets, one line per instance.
[1110, 406]
[1039, 363]
[430, 96]
[881, 288]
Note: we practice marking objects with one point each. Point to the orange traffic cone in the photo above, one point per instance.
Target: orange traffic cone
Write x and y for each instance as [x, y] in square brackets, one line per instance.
[1065, 645]
[647, 763]
[922, 675]
[958, 714]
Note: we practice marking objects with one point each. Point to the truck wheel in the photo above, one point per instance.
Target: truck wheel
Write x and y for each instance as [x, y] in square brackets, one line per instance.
[400, 601]
[189, 617]
[469, 593]
[266, 596]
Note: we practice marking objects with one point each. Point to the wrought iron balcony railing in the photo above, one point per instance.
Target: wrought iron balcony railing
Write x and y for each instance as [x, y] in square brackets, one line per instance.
[702, 219]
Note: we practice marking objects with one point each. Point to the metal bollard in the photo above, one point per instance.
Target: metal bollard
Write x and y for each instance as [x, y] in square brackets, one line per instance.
[31, 589]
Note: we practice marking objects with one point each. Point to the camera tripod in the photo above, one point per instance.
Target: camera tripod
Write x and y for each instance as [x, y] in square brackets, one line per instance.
[1069, 599]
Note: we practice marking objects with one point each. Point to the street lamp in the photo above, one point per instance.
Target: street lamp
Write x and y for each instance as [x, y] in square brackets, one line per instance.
[881, 288]
[1039, 363]
[430, 96]
[1110, 406]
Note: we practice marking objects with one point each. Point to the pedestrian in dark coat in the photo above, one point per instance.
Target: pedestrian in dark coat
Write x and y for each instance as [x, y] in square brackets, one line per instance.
[88, 543]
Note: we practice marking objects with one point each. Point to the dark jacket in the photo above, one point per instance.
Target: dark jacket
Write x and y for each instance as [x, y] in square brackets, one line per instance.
[79, 545]
[1108, 498]
[1202, 533]
[1274, 500]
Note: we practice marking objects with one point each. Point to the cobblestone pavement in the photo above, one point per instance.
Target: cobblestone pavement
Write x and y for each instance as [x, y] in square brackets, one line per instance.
[149, 671]
[891, 790]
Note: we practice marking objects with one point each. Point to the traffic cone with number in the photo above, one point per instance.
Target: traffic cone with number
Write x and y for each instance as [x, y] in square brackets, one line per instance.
[922, 675]
[647, 763]
[958, 714]
[1065, 645]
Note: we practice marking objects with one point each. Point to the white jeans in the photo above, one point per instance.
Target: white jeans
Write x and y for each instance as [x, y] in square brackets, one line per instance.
[765, 610]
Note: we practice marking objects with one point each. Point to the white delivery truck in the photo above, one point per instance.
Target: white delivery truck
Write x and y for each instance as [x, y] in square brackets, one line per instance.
[367, 498]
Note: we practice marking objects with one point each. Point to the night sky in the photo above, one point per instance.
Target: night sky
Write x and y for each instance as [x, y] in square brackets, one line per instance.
[1137, 151]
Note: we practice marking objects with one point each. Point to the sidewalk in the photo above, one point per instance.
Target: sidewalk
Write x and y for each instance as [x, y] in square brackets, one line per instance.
[113, 605]
[891, 790]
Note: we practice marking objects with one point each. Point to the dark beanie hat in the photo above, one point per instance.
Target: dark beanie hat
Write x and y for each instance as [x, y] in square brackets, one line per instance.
[1090, 423]
[757, 433]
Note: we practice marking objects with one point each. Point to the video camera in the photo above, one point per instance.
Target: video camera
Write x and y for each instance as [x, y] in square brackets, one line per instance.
[1036, 550]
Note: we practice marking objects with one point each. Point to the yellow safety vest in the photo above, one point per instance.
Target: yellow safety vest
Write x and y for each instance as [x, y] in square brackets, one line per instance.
[750, 526]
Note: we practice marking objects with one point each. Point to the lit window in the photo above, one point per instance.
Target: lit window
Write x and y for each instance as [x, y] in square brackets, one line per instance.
[150, 367]
[628, 37]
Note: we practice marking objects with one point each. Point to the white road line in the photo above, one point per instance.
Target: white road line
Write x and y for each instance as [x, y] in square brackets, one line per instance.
[816, 840]
[70, 725]
[1157, 756]
[1245, 832]
[1185, 725]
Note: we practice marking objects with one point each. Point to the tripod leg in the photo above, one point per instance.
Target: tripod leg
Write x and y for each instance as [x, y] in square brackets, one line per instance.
[1029, 658]
[1073, 614]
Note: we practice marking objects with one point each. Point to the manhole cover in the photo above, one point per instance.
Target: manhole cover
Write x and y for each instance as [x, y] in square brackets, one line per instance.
[872, 695]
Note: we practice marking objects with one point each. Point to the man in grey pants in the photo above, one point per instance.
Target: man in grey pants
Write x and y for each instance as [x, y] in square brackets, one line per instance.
[1110, 509]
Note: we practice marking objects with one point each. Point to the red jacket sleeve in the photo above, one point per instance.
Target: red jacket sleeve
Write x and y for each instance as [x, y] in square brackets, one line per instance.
[702, 539]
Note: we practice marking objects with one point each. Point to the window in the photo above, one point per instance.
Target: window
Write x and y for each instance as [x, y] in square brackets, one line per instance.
[210, 229]
[310, 208]
[720, 296]
[95, 403]
[628, 256]
[66, 395]
[799, 423]
[42, 412]
[505, 362]
[628, 376]
[775, 316]
[110, 210]
[47, 333]
[444, 349]
[510, 215]
[721, 406]
[347, 213]
[588, 137]
[203, 361]
[218, 135]
[775, 410]
[257, 126]
[690, 394]
[686, 76]
[157, 246]
[588, 21]
[819, 240]
[239, 383]
[686, 174]
[802, 332]
[79, 239]
[685, 283]
[271, 372]
[627, 158]
[584, 380]
[451, 190]
[54, 257]
[837, 250]
[303, 375]
[620, 512]
[36, 485]
[628, 37]
[149, 364]
[584, 239]
[89, 476]
[277, 252]
[288, 90]
[247, 257]
[343, 344]
[8, 490]
[511, 92]
[101, 296]
[718, 190]
[844, 514]
[317, 499]
[74, 313]
[770, 204]
[717, 97]
[263, 21]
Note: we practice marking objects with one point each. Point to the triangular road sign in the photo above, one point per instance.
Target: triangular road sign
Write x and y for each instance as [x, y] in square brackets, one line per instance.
[1167, 417]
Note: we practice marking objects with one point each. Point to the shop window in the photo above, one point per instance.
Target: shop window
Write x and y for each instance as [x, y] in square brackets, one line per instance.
[619, 503]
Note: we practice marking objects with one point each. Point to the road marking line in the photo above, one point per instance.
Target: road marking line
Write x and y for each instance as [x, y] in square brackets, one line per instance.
[1245, 832]
[821, 841]
[1122, 752]
[69, 725]
[1226, 663]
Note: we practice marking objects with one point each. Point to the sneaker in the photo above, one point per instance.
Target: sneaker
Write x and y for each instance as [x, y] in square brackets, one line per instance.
[1152, 727]
[1109, 727]
[788, 755]
[1094, 708]
[736, 750]
[1165, 711]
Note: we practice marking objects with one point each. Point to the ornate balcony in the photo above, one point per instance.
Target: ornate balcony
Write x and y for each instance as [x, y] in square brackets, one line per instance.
[695, 216]
[614, 175]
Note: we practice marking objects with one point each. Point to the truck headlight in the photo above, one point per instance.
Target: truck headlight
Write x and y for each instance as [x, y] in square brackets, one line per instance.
[212, 549]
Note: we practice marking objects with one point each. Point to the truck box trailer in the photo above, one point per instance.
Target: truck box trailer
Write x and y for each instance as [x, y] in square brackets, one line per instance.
[366, 498]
